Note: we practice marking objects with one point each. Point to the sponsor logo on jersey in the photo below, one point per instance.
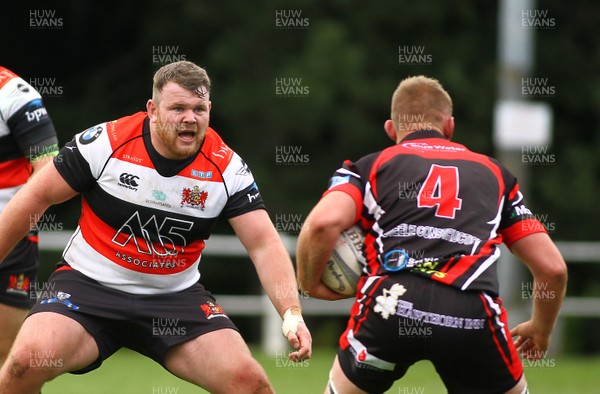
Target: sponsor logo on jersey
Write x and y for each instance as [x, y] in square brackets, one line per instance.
[425, 147]
[158, 198]
[338, 180]
[37, 111]
[18, 284]
[128, 181]
[194, 197]
[395, 260]
[61, 298]
[223, 151]
[132, 159]
[212, 310]
[202, 174]
[142, 234]
[521, 210]
[90, 135]
[253, 196]
[159, 195]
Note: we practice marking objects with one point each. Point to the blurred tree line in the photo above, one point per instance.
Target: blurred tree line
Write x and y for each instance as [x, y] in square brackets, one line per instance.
[342, 61]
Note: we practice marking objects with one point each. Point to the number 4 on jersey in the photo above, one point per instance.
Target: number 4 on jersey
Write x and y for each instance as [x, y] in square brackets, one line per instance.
[440, 190]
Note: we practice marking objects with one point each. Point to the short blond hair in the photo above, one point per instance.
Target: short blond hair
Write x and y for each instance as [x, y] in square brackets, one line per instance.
[419, 103]
[186, 74]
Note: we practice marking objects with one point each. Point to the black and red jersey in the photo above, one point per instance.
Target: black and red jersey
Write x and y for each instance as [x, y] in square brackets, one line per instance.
[26, 133]
[435, 208]
[144, 218]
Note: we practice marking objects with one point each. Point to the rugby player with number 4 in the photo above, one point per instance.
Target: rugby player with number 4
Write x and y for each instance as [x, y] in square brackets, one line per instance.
[434, 214]
[152, 186]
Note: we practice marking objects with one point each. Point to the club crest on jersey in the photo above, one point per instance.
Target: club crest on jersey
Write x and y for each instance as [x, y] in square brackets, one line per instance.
[18, 284]
[212, 310]
[194, 197]
[90, 135]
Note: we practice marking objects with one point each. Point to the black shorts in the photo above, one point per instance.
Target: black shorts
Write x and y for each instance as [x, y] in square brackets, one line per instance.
[406, 318]
[148, 324]
[18, 274]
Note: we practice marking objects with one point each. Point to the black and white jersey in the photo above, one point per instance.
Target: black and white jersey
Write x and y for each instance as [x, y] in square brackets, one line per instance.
[144, 218]
[26, 133]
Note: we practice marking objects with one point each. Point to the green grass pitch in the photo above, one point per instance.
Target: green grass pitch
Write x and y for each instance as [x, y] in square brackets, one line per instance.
[130, 373]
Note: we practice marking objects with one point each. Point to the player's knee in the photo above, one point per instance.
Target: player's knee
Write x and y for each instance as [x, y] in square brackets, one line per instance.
[249, 377]
[25, 365]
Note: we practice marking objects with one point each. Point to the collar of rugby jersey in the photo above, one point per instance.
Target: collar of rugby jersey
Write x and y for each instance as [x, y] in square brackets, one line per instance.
[420, 134]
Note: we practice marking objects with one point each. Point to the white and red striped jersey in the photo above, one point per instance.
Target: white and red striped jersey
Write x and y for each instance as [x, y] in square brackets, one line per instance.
[144, 218]
[26, 133]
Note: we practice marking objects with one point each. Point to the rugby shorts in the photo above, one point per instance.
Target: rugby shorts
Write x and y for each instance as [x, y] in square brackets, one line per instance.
[147, 324]
[401, 319]
[18, 275]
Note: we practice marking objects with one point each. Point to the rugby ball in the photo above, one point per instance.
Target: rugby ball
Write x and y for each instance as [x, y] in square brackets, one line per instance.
[343, 269]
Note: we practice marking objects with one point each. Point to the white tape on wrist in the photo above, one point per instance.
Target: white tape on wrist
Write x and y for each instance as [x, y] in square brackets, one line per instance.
[290, 321]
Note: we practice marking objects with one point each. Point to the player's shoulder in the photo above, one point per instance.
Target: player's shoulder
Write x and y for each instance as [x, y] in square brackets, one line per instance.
[16, 93]
[114, 132]
[6, 75]
[216, 150]
[126, 127]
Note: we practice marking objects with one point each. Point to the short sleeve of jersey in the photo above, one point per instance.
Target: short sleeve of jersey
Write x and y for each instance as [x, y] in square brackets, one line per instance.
[244, 195]
[33, 131]
[23, 111]
[517, 220]
[349, 179]
[82, 160]
[74, 168]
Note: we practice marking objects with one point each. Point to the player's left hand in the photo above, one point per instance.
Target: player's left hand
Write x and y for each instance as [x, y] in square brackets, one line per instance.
[301, 341]
[530, 341]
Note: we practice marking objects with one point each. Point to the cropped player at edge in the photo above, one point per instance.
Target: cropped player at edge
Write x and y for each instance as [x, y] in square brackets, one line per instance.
[433, 213]
[27, 143]
[152, 185]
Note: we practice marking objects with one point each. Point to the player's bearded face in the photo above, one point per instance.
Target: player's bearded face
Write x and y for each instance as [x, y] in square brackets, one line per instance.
[181, 118]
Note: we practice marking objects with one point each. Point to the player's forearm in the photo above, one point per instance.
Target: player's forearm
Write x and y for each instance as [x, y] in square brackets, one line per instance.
[19, 217]
[548, 294]
[320, 232]
[549, 271]
[309, 258]
[276, 274]
[315, 243]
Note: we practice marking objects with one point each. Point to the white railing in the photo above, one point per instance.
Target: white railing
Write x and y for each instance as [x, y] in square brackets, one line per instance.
[259, 305]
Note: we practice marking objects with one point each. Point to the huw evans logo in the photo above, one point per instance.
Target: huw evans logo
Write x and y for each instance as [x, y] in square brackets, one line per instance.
[47, 87]
[291, 19]
[291, 87]
[537, 19]
[165, 54]
[45, 19]
[414, 55]
[537, 88]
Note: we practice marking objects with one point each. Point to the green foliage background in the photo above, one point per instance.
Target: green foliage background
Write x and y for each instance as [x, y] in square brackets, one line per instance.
[103, 59]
